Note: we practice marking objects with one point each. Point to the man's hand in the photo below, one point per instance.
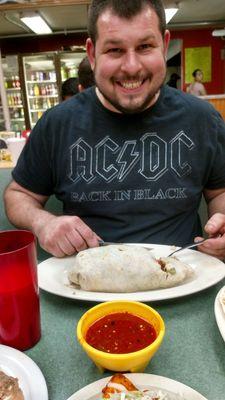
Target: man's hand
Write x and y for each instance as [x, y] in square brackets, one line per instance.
[64, 235]
[215, 245]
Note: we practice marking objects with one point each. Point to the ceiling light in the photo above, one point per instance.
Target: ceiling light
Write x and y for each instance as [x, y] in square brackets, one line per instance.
[218, 32]
[170, 12]
[36, 24]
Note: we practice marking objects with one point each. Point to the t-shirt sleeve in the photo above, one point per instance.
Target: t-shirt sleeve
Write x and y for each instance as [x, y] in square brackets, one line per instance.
[216, 178]
[34, 167]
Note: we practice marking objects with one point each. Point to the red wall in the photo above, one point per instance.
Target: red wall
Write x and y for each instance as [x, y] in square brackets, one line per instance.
[202, 38]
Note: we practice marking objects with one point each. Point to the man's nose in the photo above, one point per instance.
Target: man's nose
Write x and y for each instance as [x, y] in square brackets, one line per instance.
[131, 63]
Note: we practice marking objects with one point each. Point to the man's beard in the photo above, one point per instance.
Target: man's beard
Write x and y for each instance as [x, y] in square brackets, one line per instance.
[149, 100]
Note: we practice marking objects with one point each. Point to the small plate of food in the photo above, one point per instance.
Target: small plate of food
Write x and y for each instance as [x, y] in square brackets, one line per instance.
[136, 387]
[219, 310]
[129, 272]
[20, 377]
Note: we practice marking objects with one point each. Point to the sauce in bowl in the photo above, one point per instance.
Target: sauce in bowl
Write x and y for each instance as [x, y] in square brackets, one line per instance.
[120, 333]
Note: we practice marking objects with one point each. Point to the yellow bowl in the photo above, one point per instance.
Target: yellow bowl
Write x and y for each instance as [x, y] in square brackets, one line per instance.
[133, 362]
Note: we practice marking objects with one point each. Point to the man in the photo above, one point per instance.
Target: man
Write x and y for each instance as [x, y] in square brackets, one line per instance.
[69, 88]
[85, 75]
[130, 158]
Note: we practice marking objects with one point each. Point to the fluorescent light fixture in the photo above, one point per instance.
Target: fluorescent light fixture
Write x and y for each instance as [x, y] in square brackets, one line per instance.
[36, 24]
[170, 12]
[218, 32]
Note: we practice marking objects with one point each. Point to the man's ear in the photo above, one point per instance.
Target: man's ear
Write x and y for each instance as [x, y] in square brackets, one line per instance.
[166, 41]
[90, 52]
[80, 88]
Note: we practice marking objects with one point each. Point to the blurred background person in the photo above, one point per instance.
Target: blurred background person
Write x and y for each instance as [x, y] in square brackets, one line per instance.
[197, 88]
[69, 88]
[85, 75]
[173, 80]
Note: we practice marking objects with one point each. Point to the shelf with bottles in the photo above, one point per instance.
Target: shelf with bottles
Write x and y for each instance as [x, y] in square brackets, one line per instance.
[18, 89]
[43, 103]
[37, 90]
[16, 113]
[14, 99]
[12, 83]
[41, 76]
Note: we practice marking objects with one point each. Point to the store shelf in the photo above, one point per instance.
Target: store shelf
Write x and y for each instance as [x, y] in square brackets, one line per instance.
[44, 96]
[13, 89]
[15, 106]
[38, 110]
[42, 82]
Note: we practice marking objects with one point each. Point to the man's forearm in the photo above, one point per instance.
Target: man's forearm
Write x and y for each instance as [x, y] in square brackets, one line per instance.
[217, 205]
[23, 210]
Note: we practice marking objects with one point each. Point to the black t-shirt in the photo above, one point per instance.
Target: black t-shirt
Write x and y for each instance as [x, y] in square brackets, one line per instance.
[133, 178]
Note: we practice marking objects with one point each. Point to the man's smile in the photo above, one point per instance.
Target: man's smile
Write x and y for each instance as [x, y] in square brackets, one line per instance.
[128, 84]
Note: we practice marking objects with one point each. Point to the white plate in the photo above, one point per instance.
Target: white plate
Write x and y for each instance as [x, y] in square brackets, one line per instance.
[142, 381]
[17, 364]
[219, 314]
[52, 277]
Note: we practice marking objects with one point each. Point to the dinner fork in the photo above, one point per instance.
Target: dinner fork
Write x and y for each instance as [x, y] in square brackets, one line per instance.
[188, 246]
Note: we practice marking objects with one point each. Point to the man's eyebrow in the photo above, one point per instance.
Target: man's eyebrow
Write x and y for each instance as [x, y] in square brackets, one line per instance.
[147, 37]
[113, 42]
[117, 42]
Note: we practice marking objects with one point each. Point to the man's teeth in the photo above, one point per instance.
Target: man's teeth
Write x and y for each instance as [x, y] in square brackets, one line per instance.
[131, 85]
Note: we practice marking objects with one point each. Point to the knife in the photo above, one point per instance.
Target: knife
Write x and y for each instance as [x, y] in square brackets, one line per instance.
[103, 243]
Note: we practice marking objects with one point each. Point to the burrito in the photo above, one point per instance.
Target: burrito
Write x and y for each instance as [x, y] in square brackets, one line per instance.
[124, 269]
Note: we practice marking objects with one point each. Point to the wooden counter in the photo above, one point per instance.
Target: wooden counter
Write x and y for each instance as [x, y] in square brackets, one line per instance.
[218, 101]
[6, 164]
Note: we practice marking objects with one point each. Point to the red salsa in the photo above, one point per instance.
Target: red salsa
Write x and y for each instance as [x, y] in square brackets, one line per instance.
[120, 333]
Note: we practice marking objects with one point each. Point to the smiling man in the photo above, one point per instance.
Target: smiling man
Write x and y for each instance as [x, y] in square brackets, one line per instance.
[128, 57]
[129, 158]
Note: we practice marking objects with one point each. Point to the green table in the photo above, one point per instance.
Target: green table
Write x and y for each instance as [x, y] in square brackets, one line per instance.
[193, 351]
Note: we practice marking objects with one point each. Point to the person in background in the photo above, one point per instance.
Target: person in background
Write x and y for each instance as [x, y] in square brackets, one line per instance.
[129, 158]
[197, 88]
[69, 88]
[174, 77]
[85, 75]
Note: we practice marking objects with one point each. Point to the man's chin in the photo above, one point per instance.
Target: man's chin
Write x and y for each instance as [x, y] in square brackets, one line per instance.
[133, 108]
[126, 107]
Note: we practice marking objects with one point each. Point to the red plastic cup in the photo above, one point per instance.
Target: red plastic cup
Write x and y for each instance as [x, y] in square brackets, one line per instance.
[19, 295]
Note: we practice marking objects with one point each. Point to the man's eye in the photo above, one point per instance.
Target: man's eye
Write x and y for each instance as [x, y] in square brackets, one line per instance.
[115, 50]
[145, 46]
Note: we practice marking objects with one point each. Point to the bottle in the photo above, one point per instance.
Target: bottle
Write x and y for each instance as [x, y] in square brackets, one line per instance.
[39, 114]
[15, 99]
[16, 113]
[17, 81]
[43, 90]
[36, 90]
[13, 82]
[31, 90]
[19, 99]
[21, 113]
[6, 83]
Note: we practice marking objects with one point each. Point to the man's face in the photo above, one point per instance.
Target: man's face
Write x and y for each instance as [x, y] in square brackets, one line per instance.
[128, 60]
